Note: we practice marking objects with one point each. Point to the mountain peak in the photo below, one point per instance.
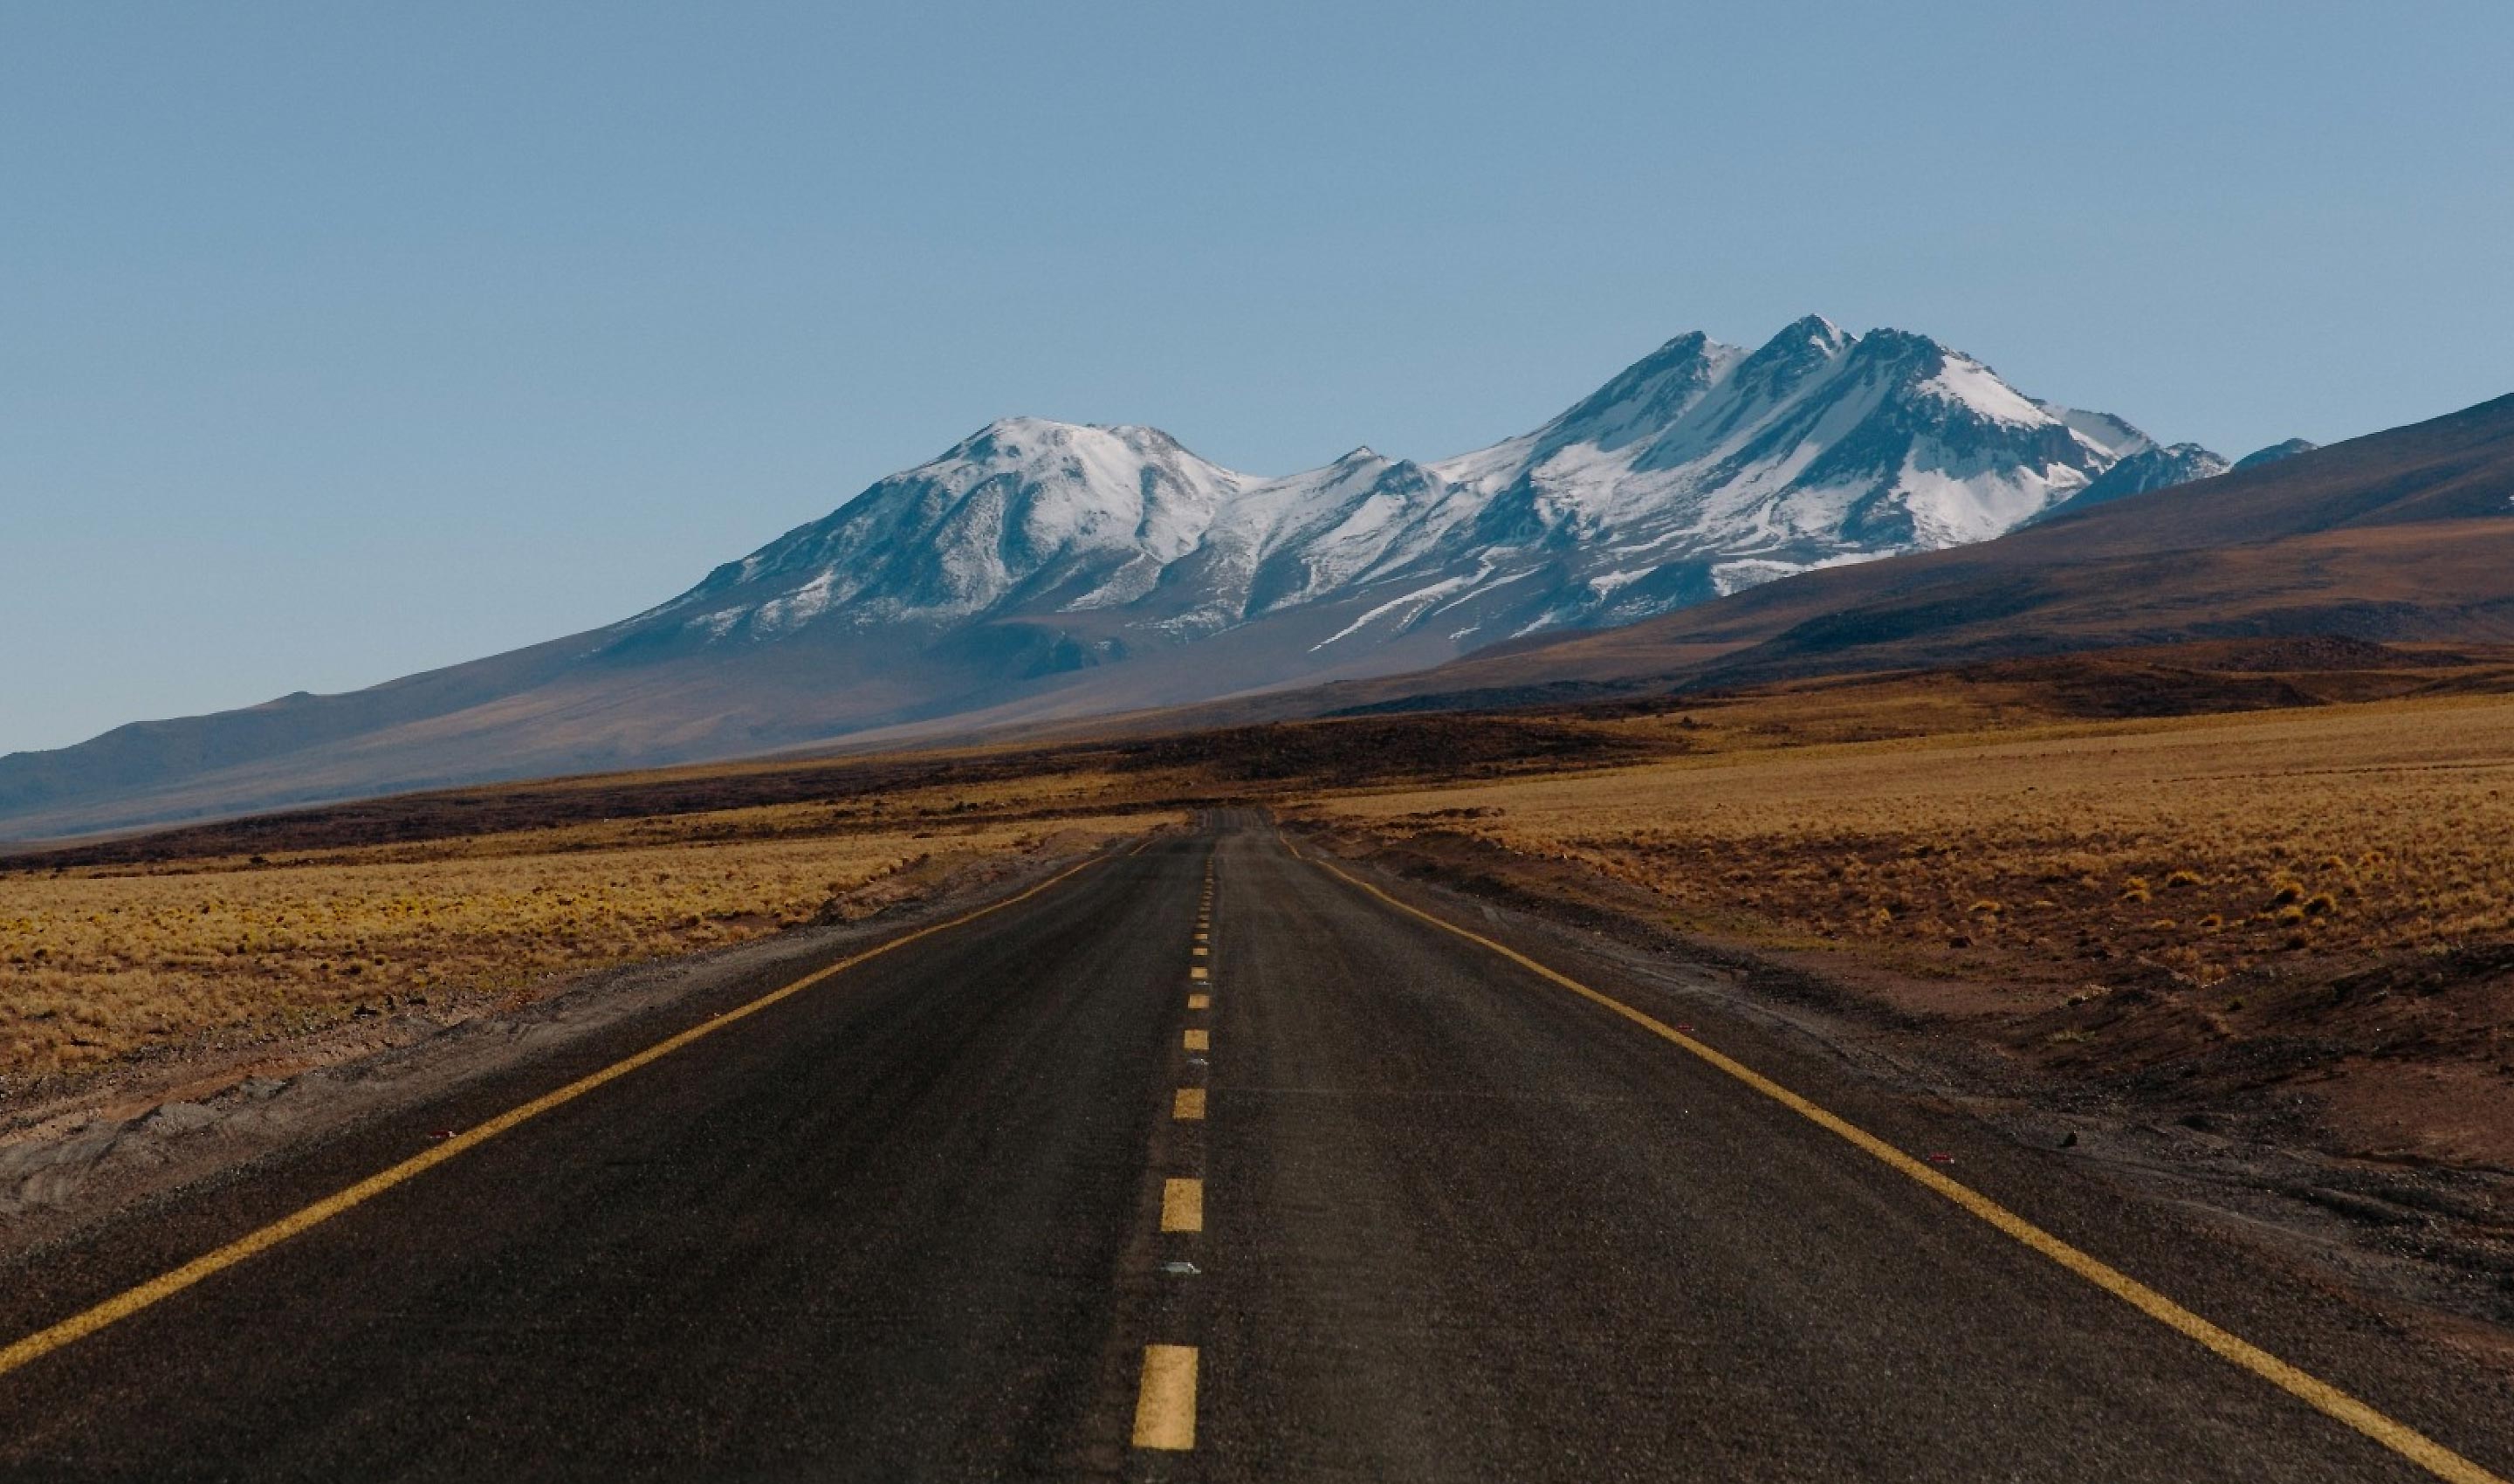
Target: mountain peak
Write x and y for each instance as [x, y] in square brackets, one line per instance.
[2274, 452]
[1643, 396]
[1023, 430]
[1809, 331]
[1037, 552]
[2152, 467]
[1888, 344]
[1023, 426]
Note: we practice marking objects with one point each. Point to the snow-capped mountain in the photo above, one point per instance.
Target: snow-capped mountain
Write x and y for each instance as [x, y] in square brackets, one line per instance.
[1701, 469]
[1044, 570]
[2135, 473]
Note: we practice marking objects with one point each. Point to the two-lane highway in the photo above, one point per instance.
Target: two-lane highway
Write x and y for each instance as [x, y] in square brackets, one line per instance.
[1210, 1162]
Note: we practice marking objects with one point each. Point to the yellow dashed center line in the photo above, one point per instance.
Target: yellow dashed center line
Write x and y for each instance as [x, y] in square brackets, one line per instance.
[1165, 1398]
[2330, 1401]
[1182, 1204]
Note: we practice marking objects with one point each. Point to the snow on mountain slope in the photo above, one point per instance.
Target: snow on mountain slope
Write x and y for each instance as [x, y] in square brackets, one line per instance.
[1722, 468]
[1048, 569]
[1700, 469]
[2150, 469]
[1025, 511]
[2102, 430]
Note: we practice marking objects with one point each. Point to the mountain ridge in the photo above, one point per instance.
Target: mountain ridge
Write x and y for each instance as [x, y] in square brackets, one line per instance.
[2399, 536]
[1066, 568]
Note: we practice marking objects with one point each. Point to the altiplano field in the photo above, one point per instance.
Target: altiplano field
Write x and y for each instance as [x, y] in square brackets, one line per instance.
[251, 932]
[2209, 845]
[2236, 907]
[2306, 873]
[105, 962]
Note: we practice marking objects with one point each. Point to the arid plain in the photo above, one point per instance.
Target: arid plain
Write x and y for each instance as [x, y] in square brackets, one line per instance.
[2301, 874]
[2230, 921]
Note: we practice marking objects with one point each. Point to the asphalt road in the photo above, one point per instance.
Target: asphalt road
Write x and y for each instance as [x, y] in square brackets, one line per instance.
[951, 1215]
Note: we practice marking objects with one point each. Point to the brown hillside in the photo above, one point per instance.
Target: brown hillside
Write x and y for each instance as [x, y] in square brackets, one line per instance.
[2401, 536]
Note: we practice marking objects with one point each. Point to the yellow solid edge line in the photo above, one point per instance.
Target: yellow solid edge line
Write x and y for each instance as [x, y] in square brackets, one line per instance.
[1188, 1105]
[1200, 1002]
[166, 1285]
[1165, 1398]
[1183, 1204]
[2400, 1438]
[1197, 1040]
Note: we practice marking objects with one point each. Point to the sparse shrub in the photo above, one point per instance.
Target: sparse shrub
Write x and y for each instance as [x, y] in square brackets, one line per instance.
[194, 946]
[1943, 822]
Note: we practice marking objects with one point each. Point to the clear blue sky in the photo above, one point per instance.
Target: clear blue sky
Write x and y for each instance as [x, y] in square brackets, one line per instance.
[338, 341]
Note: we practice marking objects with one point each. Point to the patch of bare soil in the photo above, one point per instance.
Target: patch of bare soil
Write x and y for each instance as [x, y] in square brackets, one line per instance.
[2359, 1127]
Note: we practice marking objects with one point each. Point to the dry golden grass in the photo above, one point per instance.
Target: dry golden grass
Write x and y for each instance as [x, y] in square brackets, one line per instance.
[906, 813]
[2205, 845]
[100, 964]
